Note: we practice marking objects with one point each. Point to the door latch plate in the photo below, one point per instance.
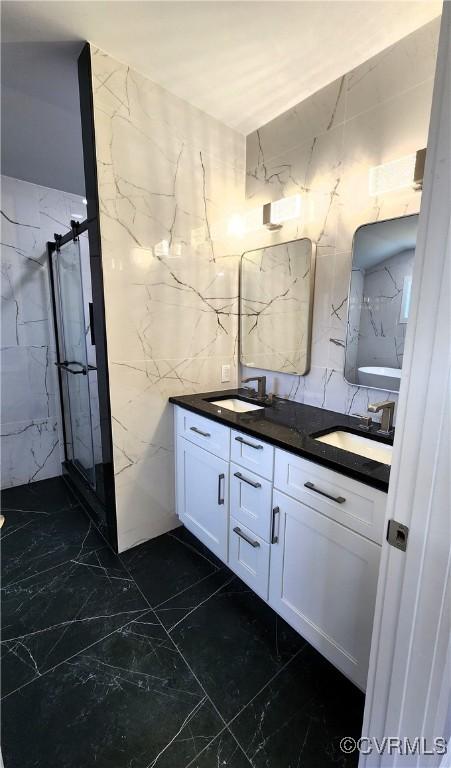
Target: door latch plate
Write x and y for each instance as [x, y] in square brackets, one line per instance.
[397, 535]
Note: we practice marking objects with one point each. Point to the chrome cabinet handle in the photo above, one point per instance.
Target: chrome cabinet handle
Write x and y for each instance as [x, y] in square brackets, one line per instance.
[199, 432]
[242, 535]
[338, 499]
[251, 445]
[220, 479]
[274, 538]
[246, 480]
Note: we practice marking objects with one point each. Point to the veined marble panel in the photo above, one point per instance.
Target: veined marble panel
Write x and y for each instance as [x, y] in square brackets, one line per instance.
[316, 115]
[323, 149]
[170, 178]
[30, 417]
[397, 69]
[390, 131]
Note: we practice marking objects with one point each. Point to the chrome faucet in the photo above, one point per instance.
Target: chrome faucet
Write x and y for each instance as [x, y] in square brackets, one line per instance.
[388, 408]
[261, 393]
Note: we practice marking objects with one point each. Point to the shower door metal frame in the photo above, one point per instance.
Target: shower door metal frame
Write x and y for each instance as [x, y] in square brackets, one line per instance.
[65, 365]
[96, 508]
[77, 229]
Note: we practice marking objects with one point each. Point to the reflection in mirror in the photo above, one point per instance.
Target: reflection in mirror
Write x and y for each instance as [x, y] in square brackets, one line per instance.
[276, 297]
[379, 302]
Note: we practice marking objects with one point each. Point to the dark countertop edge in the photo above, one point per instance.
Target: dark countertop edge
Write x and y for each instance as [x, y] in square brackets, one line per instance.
[373, 482]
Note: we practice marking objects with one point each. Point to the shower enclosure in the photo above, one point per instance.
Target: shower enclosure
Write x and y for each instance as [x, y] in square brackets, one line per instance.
[87, 465]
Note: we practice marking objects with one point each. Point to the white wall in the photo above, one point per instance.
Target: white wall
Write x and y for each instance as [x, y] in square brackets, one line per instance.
[30, 415]
[170, 176]
[323, 149]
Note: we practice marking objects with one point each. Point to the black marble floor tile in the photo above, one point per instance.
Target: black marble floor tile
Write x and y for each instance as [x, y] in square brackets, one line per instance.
[47, 496]
[222, 752]
[186, 537]
[165, 566]
[43, 541]
[178, 607]
[51, 616]
[299, 718]
[129, 701]
[235, 644]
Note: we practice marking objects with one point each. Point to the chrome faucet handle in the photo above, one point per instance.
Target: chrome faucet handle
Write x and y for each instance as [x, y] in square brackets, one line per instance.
[388, 409]
[261, 381]
[366, 421]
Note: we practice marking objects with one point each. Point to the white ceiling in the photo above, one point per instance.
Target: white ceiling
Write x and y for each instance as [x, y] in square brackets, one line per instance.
[242, 62]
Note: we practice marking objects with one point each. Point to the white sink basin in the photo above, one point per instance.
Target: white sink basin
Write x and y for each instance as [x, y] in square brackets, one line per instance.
[236, 405]
[371, 449]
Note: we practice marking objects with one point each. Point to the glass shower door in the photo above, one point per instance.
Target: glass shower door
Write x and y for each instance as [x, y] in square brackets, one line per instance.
[74, 360]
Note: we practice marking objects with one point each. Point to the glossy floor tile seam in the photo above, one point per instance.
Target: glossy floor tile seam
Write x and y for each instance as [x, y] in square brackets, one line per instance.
[202, 602]
[140, 615]
[173, 535]
[207, 747]
[226, 728]
[266, 685]
[159, 606]
[207, 696]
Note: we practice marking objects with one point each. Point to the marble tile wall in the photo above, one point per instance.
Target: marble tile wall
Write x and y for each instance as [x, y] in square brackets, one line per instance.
[30, 416]
[323, 148]
[170, 177]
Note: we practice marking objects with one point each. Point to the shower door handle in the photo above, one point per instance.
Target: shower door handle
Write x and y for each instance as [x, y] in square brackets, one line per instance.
[65, 367]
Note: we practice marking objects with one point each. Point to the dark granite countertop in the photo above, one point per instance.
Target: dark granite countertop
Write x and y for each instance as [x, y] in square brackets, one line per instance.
[290, 426]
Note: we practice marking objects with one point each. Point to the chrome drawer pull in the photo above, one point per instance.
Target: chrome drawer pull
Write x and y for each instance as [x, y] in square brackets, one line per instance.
[199, 432]
[338, 499]
[274, 538]
[246, 480]
[242, 535]
[251, 445]
[220, 479]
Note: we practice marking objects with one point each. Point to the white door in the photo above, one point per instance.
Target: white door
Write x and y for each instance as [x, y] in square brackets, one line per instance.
[203, 495]
[408, 693]
[323, 580]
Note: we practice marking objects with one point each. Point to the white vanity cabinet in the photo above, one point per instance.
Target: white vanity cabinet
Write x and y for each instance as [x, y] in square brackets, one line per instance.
[202, 479]
[323, 580]
[305, 538]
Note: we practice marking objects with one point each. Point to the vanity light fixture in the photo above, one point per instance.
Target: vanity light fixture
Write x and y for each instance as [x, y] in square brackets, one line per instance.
[398, 174]
[271, 215]
[274, 214]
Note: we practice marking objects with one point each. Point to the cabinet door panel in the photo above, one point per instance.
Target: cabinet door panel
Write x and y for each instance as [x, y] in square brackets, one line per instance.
[323, 580]
[250, 500]
[249, 557]
[203, 495]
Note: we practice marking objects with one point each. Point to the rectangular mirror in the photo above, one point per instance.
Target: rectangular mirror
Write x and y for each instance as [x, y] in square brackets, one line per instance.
[276, 302]
[379, 301]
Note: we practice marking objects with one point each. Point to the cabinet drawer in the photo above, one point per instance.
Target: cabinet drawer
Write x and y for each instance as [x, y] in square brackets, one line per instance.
[250, 500]
[208, 434]
[249, 557]
[252, 453]
[355, 505]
